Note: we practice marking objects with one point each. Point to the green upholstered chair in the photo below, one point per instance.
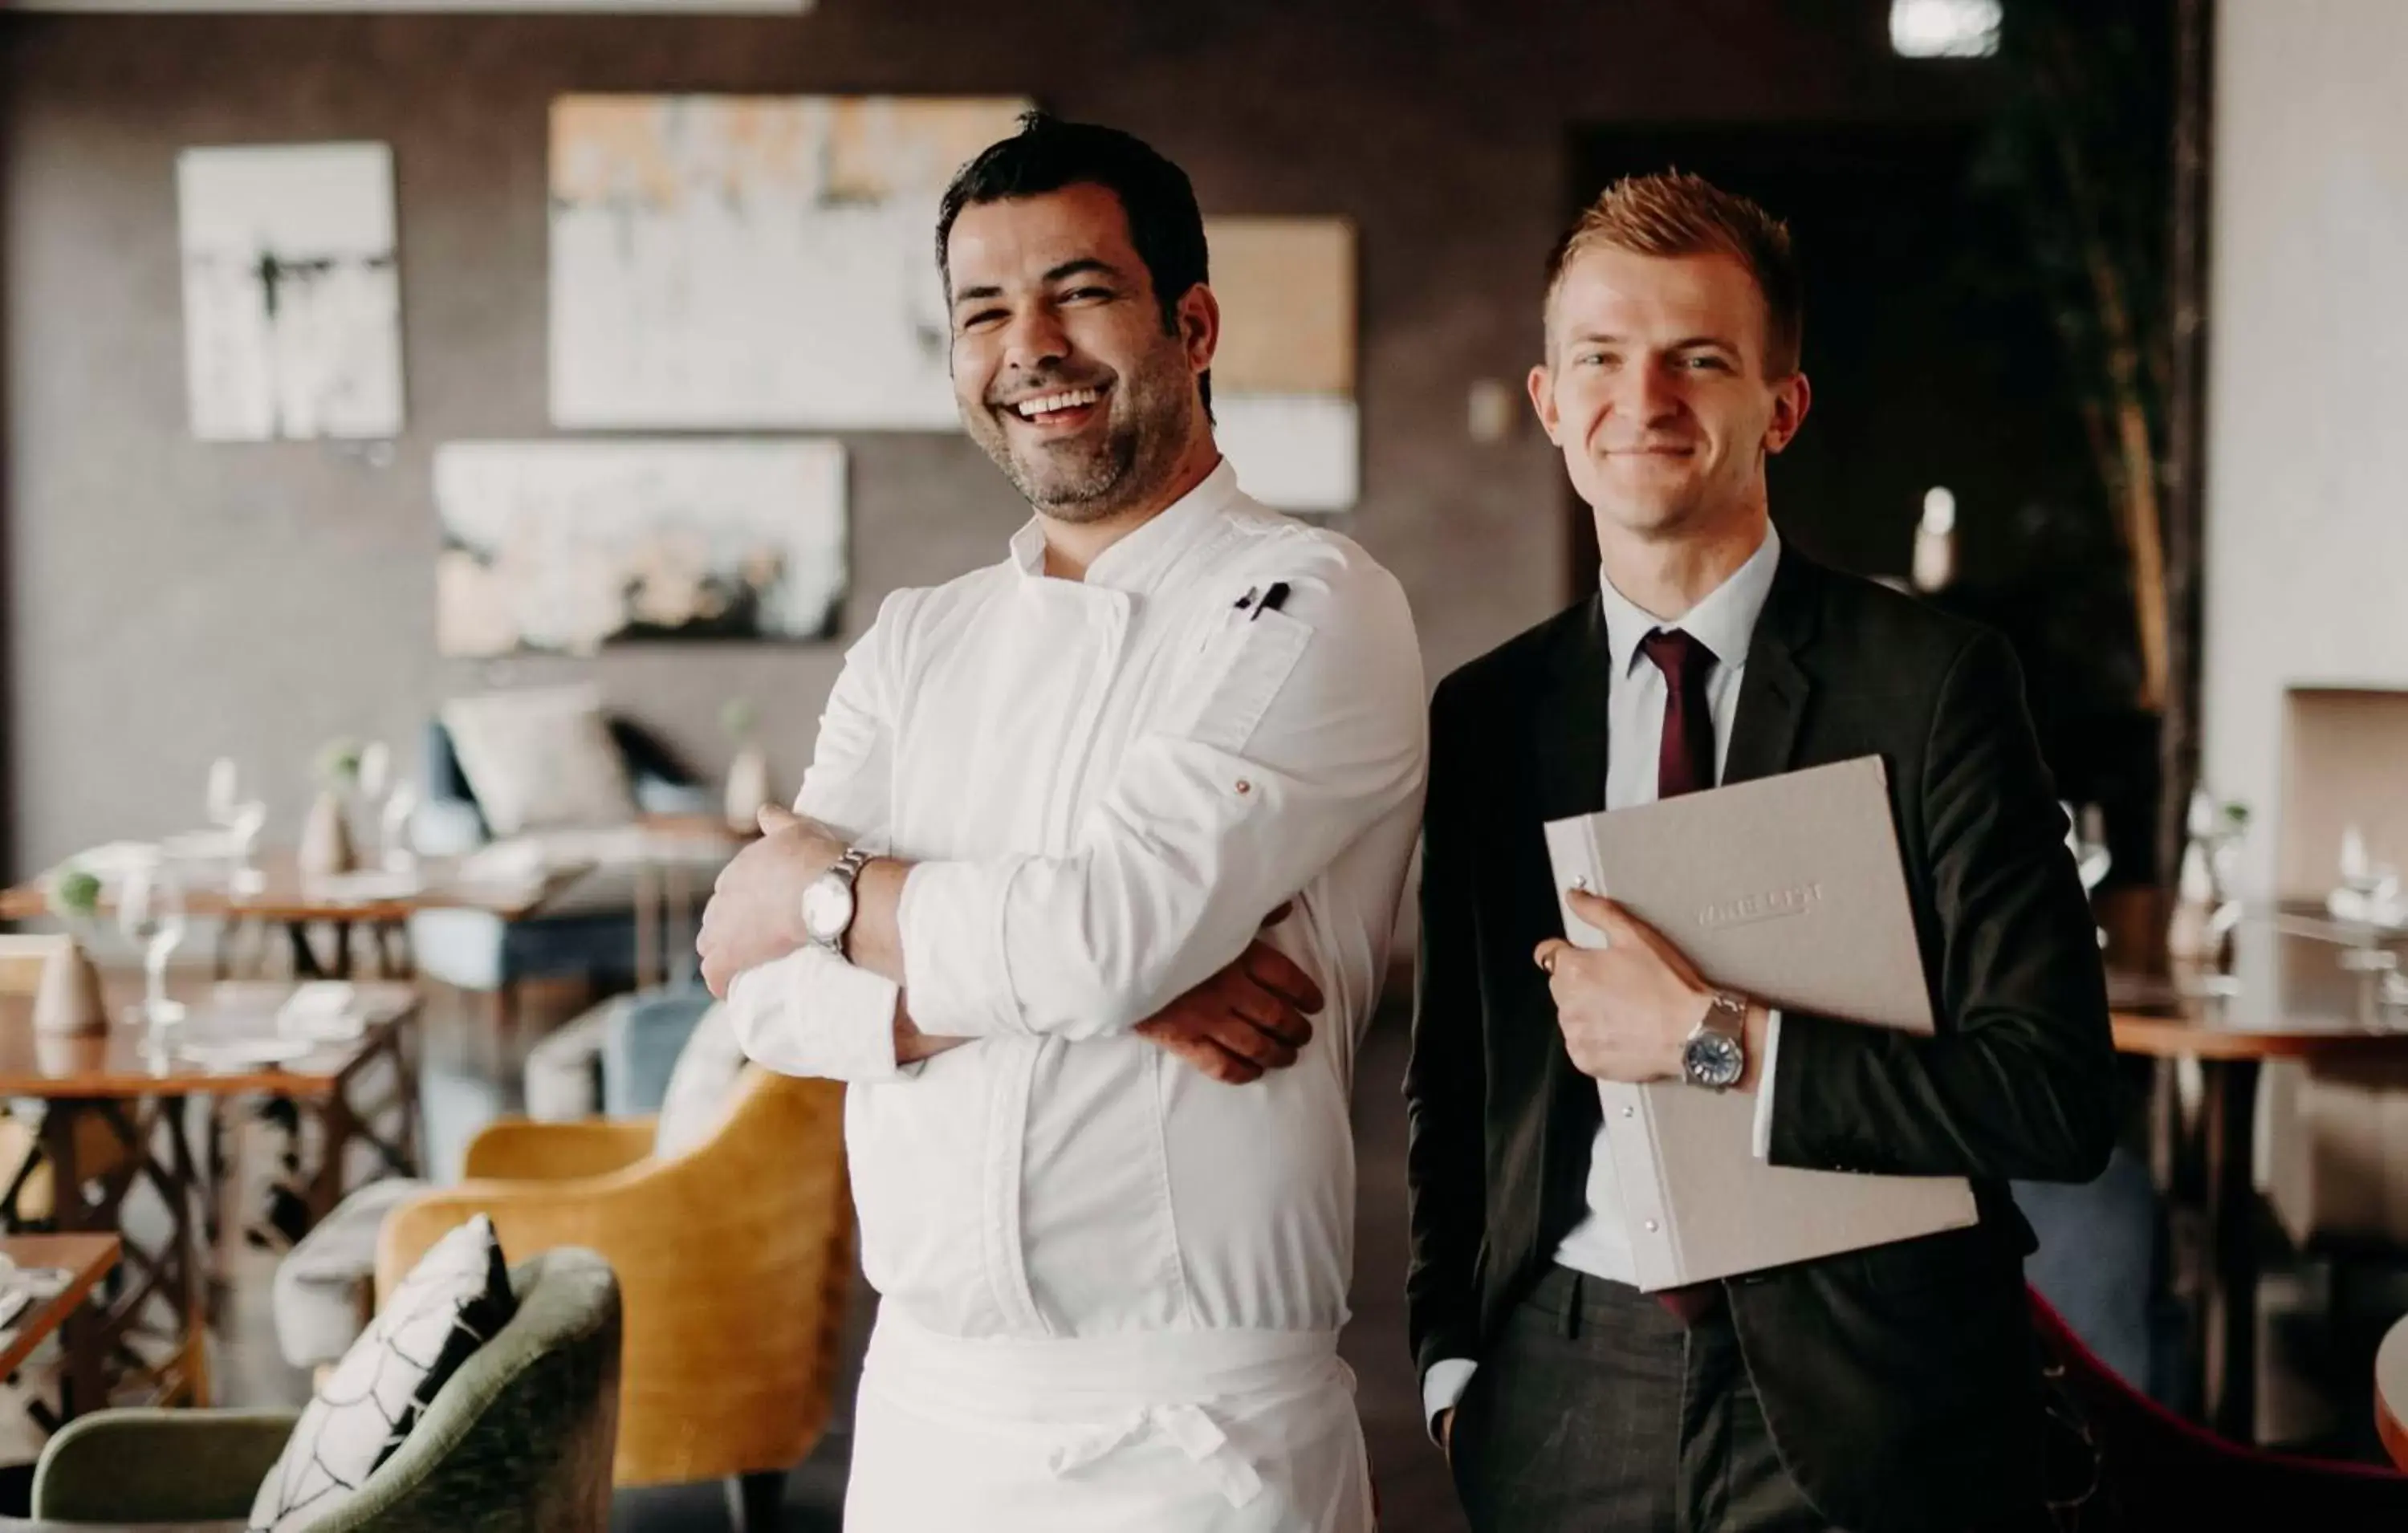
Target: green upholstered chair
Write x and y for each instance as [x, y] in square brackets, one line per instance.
[522, 1437]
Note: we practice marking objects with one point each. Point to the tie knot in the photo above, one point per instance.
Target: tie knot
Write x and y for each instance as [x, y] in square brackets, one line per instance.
[1680, 657]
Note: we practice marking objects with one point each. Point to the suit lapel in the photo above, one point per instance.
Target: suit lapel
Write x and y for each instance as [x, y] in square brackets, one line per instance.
[1774, 695]
[1567, 752]
[1569, 725]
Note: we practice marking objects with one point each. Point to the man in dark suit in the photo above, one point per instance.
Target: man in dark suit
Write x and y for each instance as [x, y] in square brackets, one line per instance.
[1892, 1388]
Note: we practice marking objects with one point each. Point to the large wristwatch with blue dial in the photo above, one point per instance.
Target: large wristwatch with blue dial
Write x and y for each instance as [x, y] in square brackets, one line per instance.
[1715, 1055]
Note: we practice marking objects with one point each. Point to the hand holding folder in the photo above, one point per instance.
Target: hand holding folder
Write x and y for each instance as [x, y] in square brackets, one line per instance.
[1788, 890]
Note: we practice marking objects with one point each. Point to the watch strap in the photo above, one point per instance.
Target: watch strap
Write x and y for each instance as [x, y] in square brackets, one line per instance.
[848, 866]
[1727, 1014]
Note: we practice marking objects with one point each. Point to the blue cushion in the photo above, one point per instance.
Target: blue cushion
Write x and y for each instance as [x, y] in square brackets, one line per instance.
[640, 1045]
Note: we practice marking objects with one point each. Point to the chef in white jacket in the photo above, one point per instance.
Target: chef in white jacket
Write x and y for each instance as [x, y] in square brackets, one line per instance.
[1089, 895]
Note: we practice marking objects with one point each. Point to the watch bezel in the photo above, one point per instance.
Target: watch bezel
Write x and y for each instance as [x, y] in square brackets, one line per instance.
[829, 894]
[1713, 1060]
[1715, 1055]
[836, 883]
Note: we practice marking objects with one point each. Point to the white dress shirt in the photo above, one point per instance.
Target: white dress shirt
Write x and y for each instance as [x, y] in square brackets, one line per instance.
[1107, 785]
[1724, 621]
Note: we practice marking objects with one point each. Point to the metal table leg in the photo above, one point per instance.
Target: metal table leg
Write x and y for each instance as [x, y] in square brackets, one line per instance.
[2227, 1315]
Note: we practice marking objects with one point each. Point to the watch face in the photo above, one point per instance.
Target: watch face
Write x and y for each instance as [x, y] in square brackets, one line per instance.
[1714, 1060]
[827, 908]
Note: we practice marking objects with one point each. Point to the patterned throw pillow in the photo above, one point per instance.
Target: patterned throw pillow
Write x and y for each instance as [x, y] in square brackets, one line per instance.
[452, 1302]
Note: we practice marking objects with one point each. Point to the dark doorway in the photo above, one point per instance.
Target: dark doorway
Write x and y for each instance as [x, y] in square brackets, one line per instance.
[1929, 368]
[1934, 363]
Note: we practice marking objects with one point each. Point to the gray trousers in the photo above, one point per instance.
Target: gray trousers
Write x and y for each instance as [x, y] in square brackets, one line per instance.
[1597, 1411]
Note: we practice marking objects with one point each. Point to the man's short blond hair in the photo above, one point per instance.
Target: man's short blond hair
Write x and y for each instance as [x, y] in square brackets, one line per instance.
[1675, 213]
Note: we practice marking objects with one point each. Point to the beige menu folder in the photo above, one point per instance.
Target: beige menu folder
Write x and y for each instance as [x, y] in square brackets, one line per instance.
[1789, 890]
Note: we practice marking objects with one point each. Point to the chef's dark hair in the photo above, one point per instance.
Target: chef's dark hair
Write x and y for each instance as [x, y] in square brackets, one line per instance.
[1047, 154]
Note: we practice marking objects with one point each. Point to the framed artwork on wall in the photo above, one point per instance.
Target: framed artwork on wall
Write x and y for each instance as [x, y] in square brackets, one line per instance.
[1283, 377]
[566, 545]
[291, 292]
[753, 262]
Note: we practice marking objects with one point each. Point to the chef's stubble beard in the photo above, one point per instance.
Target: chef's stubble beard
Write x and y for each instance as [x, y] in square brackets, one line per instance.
[1137, 457]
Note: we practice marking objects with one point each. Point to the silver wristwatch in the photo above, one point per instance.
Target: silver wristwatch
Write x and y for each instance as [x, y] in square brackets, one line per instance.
[828, 904]
[1715, 1055]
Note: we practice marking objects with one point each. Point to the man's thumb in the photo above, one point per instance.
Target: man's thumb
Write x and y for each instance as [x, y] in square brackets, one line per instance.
[775, 818]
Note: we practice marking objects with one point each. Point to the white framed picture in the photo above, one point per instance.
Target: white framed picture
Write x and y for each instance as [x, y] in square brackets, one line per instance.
[291, 292]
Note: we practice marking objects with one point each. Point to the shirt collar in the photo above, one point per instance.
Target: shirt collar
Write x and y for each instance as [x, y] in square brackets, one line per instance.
[1724, 621]
[1138, 559]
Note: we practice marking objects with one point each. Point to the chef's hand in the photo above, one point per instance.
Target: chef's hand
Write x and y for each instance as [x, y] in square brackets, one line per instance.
[1249, 1018]
[756, 913]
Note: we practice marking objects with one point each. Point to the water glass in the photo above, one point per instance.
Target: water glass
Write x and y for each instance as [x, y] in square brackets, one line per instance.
[150, 912]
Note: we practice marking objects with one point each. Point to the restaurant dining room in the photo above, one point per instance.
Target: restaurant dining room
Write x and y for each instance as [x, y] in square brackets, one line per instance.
[579, 869]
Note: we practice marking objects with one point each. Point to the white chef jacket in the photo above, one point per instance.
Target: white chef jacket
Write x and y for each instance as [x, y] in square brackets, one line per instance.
[1105, 786]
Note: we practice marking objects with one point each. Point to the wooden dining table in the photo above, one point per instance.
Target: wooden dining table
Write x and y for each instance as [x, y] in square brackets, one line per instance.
[2295, 990]
[374, 905]
[80, 1262]
[128, 1089]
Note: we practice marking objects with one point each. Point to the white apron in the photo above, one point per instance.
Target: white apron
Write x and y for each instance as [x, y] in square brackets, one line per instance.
[1229, 1431]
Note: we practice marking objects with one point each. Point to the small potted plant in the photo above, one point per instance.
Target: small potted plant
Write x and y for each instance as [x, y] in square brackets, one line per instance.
[68, 1000]
[326, 835]
[747, 772]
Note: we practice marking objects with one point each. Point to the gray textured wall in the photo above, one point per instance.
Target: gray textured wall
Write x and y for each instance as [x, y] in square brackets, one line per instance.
[169, 601]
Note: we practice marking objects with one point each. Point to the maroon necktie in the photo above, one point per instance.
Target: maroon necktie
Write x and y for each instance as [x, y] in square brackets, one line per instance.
[1684, 762]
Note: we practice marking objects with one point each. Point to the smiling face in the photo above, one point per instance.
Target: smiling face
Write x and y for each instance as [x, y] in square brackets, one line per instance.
[1062, 369]
[1656, 389]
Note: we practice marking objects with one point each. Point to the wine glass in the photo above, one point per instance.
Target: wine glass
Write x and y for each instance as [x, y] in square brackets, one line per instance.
[225, 792]
[150, 914]
[375, 785]
[376, 771]
[396, 853]
[249, 819]
[2085, 838]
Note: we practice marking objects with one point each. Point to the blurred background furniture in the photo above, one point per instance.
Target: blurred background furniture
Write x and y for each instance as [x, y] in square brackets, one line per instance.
[528, 1423]
[24, 1170]
[2332, 1152]
[2391, 1392]
[2292, 995]
[72, 1265]
[589, 930]
[735, 1253]
[131, 1089]
[622, 1055]
[2158, 1473]
[363, 915]
[538, 779]
[615, 1058]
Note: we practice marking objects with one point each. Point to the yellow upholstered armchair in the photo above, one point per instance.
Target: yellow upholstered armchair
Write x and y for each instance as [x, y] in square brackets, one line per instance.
[733, 1258]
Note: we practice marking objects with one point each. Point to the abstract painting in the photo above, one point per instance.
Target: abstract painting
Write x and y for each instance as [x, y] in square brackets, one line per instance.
[1283, 377]
[754, 262]
[291, 293]
[567, 546]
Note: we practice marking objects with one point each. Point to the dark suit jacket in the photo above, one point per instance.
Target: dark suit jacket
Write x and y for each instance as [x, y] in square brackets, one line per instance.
[1899, 1382]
